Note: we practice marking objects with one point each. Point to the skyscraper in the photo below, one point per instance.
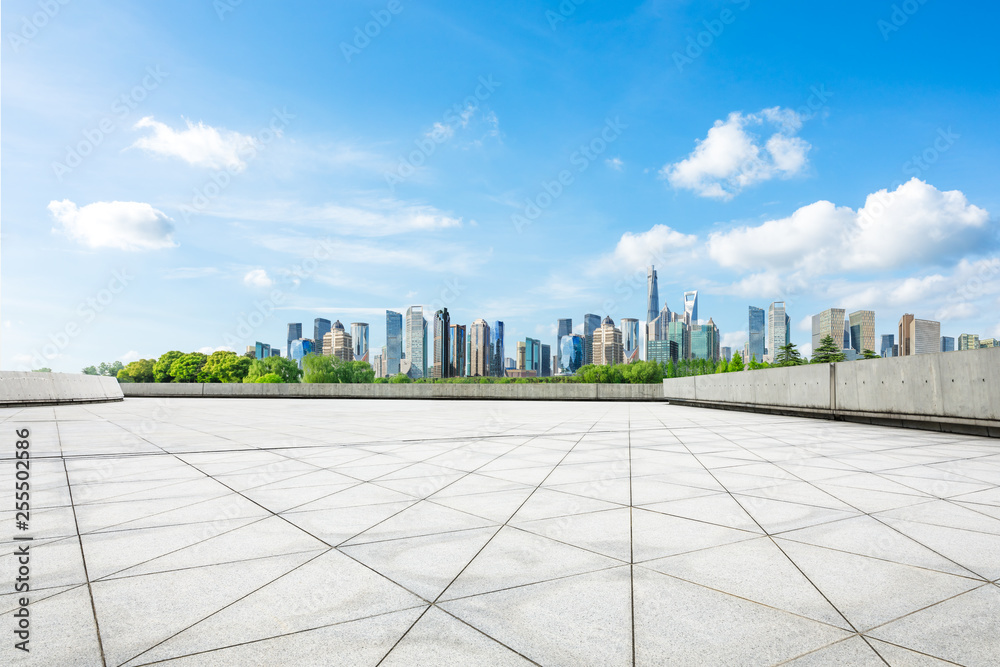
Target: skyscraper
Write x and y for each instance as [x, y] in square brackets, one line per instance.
[416, 341]
[521, 360]
[591, 323]
[679, 333]
[294, 333]
[321, 327]
[546, 361]
[261, 350]
[691, 307]
[656, 330]
[968, 342]
[905, 341]
[479, 348]
[630, 339]
[779, 331]
[888, 343]
[947, 343]
[457, 352]
[393, 342]
[359, 338]
[652, 295]
[442, 344]
[571, 355]
[564, 327]
[298, 349]
[705, 341]
[607, 345]
[756, 331]
[533, 355]
[496, 350]
[926, 336]
[828, 323]
[337, 343]
[862, 324]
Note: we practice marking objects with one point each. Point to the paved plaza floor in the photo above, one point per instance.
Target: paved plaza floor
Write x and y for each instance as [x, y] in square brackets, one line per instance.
[351, 532]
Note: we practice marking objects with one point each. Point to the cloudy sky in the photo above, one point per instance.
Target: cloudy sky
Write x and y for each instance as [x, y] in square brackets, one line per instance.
[197, 174]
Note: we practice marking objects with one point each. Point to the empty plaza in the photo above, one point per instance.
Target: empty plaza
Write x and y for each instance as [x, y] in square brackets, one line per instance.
[220, 531]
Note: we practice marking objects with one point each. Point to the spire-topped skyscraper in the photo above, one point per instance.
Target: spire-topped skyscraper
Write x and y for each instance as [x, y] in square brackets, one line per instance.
[653, 298]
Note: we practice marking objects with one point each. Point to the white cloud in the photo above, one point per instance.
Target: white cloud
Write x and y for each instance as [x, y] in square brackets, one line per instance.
[636, 251]
[734, 339]
[129, 356]
[200, 145]
[731, 158]
[187, 272]
[126, 225]
[915, 225]
[258, 278]
[615, 163]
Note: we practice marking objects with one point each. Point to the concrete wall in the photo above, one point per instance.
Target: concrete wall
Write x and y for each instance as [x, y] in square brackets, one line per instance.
[27, 388]
[949, 387]
[547, 392]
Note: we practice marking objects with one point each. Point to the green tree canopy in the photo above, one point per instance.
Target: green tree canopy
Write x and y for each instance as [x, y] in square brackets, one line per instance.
[270, 377]
[90, 370]
[186, 367]
[828, 352]
[736, 363]
[110, 369]
[788, 355]
[137, 371]
[224, 366]
[870, 354]
[722, 367]
[284, 368]
[161, 369]
[319, 368]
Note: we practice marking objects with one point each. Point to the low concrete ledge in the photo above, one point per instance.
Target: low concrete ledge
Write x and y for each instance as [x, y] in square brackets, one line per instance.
[498, 392]
[19, 389]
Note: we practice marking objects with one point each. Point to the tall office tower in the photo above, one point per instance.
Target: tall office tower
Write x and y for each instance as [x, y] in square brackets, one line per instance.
[705, 341]
[679, 333]
[630, 339]
[691, 307]
[393, 342]
[359, 337]
[888, 343]
[442, 344]
[321, 327]
[338, 343]
[546, 361]
[968, 342]
[828, 323]
[261, 350]
[377, 366]
[479, 348]
[947, 343]
[532, 355]
[725, 353]
[652, 295]
[862, 330]
[607, 344]
[416, 341]
[656, 330]
[520, 363]
[564, 327]
[456, 353]
[571, 354]
[661, 351]
[294, 333]
[591, 323]
[847, 335]
[779, 330]
[509, 364]
[905, 339]
[298, 349]
[926, 336]
[496, 350]
[756, 331]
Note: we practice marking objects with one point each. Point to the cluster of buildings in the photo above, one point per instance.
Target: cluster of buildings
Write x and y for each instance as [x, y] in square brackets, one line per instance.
[442, 349]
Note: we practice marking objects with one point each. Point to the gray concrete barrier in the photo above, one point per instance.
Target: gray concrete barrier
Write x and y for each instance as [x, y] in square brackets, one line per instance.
[528, 392]
[951, 391]
[18, 388]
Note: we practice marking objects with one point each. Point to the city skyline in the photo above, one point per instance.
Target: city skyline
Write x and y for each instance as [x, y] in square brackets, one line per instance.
[156, 161]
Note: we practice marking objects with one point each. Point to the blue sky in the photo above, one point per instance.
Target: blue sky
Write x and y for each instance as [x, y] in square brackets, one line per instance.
[197, 174]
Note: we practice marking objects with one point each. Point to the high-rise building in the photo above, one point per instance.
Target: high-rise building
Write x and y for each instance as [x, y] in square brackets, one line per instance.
[591, 323]
[533, 355]
[294, 333]
[679, 333]
[442, 344]
[656, 329]
[457, 355]
[926, 336]
[416, 341]
[725, 353]
[691, 307]
[988, 342]
[828, 323]
[652, 295]
[337, 343]
[261, 350]
[564, 327]
[661, 351]
[509, 363]
[377, 366]
[779, 330]
[756, 332]
[393, 343]
[546, 361]
[479, 348]
[298, 349]
[905, 341]
[521, 361]
[630, 339]
[607, 346]
[862, 327]
[947, 343]
[496, 350]
[968, 342]
[571, 354]
[705, 341]
[359, 338]
[888, 343]
[321, 327]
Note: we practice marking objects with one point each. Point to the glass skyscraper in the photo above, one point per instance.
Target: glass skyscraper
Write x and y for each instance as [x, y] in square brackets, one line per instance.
[630, 338]
[652, 295]
[359, 339]
[756, 331]
[416, 341]
[294, 333]
[442, 344]
[533, 355]
[321, 327]
[679, 333]
[546, 361]
[947, 343]
[393, 342]
[691, 306]
[496, 350]
[778, 330]
[479, 349]
[261, 350]
[298, 349]
[457, 352]
[888, 343]
[591, 323]
[571, 354]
